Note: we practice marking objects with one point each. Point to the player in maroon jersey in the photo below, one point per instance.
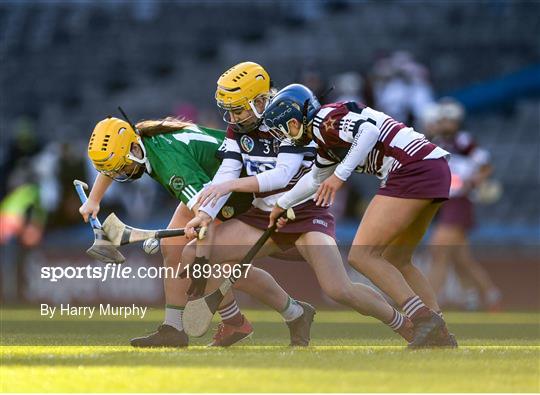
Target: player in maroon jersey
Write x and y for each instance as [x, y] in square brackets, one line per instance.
[415, 180]
[470, 167]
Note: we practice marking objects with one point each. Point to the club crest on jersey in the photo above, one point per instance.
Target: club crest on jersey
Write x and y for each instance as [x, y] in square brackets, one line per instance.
[227, 212]
[177, 183]
[247, 143]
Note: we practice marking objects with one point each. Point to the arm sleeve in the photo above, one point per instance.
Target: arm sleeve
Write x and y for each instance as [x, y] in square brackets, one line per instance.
[363, 142]
[230, 169]
[306, 186]
[232, 150]
[287, 166]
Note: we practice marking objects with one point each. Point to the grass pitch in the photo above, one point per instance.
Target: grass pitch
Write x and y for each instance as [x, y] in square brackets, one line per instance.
[349, 353]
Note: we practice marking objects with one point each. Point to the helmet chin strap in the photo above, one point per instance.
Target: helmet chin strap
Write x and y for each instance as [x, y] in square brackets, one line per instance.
[253, 107]
[142, 161]
[300, 133]
[304, 125]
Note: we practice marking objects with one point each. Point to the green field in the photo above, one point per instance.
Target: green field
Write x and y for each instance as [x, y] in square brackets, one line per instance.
[349, 353]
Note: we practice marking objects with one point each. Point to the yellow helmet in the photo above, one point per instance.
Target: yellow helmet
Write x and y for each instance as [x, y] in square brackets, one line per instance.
[240, 85]
[109, 147]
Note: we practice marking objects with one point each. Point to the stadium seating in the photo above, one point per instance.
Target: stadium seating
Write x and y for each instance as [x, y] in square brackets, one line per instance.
[77, 61]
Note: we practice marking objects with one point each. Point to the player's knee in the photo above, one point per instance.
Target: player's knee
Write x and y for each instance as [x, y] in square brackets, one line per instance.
[188, 254]
[399, 261]
[339, 293]
[361, 257]
[405, 267]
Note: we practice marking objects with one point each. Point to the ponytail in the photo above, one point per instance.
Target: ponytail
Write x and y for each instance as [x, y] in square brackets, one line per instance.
[151, 127]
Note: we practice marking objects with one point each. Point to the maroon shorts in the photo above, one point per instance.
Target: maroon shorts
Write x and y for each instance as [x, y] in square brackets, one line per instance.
[426, 179]
[457, 211]
[309, 218]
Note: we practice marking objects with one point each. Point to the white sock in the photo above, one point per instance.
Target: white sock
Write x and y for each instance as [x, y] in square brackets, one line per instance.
[397, 320]
[292, 311]
[173, 316]
[229, 311]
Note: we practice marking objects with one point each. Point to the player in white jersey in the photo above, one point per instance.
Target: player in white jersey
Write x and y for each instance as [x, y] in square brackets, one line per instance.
[415, 180]
[470, 167]
[273, 169]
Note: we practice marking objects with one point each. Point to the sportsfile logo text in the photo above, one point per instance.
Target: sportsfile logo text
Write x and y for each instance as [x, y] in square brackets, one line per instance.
[114, 271]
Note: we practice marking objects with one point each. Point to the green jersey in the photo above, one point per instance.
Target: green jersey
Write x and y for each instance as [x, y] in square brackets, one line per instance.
[185, 160]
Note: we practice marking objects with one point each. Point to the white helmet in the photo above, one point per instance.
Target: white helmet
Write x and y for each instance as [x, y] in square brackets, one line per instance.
[451, 109]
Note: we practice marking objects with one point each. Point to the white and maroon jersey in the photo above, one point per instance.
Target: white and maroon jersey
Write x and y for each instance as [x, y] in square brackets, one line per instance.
[466, 160]
[336, 125]
[258, 152]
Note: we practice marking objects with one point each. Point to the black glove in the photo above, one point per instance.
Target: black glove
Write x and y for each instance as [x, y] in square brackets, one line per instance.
[198, 284]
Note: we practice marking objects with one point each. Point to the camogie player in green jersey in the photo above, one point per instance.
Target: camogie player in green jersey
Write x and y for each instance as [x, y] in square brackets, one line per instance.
[182, 157]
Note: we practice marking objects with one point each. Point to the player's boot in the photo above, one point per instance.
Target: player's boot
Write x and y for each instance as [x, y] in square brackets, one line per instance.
[165, 336]
[406, 330]
[300, 328]
[426, 329]
[227, 335]
[443, 339]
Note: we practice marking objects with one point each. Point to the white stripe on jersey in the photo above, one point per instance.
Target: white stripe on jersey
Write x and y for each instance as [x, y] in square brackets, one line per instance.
[396, 165]
[387, 128]
[409, 148]
[256, 164]
[256, 158]
[189, 192]
[323, 112]
[346, 126]
[300, 174]
[405, 137]
[186, 138]
[317, 133]
[419, 147]
[231, 145]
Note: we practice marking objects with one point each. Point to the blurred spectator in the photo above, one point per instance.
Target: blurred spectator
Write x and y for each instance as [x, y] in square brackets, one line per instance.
[23, 211]
[401, 87]
[314, 80]
[470, 167]
[348, 87]
[70, 166]
[22, 216]
[22, 146]
[428, 121]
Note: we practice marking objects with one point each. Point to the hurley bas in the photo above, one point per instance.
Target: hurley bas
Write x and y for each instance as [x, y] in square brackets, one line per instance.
[89, 311]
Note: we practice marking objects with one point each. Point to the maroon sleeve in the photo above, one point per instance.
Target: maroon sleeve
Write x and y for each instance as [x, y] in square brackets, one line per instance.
[229, 133]
[329, 126]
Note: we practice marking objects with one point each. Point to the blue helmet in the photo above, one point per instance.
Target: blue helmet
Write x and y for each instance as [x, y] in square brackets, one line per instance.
[295, 101]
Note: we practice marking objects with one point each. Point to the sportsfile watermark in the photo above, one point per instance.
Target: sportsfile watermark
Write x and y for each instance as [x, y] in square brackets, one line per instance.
[114, 271]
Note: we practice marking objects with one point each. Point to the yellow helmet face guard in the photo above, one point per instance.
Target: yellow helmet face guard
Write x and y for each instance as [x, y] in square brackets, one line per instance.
[243, 104]
[122, 175]
[240, 87]
[109, 149]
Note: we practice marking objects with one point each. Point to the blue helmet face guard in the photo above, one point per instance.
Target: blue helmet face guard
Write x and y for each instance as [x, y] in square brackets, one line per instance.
[292, 102]
[277, 118]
